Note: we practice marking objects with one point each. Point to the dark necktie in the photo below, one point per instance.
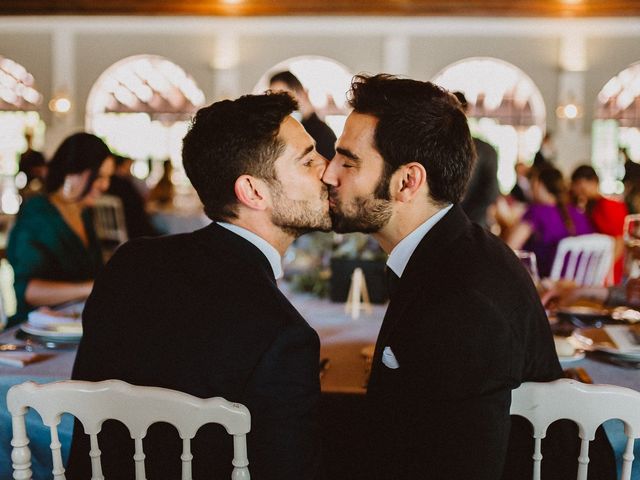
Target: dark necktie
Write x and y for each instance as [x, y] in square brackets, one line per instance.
[393, 281]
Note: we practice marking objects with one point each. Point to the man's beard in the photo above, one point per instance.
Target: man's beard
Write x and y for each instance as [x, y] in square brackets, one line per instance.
[367, 215]
[297, 217]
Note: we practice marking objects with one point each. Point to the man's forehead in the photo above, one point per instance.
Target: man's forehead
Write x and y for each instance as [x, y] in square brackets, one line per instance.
[293, 134]
[358, 131]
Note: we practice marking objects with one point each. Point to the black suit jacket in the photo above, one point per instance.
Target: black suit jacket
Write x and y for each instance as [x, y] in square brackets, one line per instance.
[466, 327]
[201, 313]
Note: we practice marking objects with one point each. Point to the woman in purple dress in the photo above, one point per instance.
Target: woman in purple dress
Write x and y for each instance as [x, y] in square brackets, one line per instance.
[549, 219]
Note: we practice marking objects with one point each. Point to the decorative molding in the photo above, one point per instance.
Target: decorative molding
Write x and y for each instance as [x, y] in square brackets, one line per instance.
[225, 8]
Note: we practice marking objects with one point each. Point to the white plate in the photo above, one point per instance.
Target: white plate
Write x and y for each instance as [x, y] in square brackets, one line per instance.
[51, 333]
[599, 339]
[583, 311]
[572, 358]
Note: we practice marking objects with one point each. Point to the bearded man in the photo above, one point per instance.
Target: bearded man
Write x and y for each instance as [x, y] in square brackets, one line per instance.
[464, 326]
[201, 312]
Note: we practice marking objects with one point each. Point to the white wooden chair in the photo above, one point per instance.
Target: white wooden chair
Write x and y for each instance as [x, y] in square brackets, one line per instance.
[587, 405]
[137, 407]
[109, 220]
[585, 259]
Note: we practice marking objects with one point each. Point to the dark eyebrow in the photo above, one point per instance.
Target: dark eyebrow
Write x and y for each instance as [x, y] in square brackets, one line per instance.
[347, 153]
[306, 151]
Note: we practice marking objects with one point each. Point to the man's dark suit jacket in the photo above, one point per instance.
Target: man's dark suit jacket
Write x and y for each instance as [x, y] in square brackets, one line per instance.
[201, 313]
[466, 327]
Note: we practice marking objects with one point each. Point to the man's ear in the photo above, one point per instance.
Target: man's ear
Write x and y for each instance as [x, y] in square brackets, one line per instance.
[408, 180]
[251, 192]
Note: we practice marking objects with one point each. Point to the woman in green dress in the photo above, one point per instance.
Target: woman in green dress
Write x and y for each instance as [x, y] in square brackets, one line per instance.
[53, 247]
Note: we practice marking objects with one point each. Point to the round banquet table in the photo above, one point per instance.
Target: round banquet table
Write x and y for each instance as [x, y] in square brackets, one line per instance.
[343, 387]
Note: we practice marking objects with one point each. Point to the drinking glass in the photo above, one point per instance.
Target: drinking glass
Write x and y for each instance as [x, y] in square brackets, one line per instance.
[530, 263]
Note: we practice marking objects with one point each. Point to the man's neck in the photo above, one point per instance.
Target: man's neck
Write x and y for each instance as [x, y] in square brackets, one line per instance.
[402, 223]
[277, 238]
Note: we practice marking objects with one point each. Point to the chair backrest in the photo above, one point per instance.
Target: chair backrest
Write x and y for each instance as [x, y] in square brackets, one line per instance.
[109, 220]
[585, 259]
[137, 407]
[586, 405]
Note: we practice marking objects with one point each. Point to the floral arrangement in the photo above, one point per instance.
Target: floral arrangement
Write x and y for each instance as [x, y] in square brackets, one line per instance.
[307, 263]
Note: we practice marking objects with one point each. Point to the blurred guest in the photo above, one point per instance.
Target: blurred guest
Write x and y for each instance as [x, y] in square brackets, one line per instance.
[606, 214]
[319, 131]
[547, 154]
[136, 219]
[162, 194]
[549, 219]
[482, 190]
[34, 166]
[53, 248]
[631, 181]
[521, 191]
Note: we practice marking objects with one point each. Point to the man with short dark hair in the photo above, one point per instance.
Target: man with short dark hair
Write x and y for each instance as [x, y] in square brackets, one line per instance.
[323, 135]
[201, 312]
[465, 325]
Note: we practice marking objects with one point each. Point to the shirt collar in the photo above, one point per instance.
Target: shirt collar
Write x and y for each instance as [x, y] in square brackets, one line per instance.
[401, 253]
[268, 250]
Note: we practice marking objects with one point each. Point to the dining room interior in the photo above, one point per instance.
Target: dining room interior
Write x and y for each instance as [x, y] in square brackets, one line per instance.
[551, 94]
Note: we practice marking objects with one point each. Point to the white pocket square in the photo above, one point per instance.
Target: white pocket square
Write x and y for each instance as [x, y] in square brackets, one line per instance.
[389, 359]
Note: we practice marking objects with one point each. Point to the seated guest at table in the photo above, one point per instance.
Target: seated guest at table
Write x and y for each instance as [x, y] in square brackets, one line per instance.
[549, 219]
[136, 219]
[465, 325]
[53, 247]
[606, 214]
[201, 312]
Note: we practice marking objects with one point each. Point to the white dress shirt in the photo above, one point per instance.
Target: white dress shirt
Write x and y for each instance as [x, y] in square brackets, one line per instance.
[268, 250]
[401, 253]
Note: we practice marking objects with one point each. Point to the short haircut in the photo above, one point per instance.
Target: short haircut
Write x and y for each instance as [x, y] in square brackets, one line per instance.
[584, 172]
[288, 78]
[78, 153]
[232, 138]
[462, 99]
[418, 122]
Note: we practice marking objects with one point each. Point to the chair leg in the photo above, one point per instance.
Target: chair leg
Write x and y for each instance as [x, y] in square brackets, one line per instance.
[21, 454]
[240, 460]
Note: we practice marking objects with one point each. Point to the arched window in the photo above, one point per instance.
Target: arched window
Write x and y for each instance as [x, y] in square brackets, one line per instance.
[141, 106]
[506, 109]
[326, 81]
[616, 127]
[20, 120]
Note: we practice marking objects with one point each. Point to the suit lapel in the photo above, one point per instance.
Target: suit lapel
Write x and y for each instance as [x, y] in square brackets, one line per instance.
[421, 273]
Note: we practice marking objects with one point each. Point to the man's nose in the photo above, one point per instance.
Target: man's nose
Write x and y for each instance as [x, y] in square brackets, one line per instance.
[330, 177]
[323, 165]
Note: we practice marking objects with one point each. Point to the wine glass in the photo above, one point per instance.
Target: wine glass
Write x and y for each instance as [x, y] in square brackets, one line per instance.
[530, 263]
